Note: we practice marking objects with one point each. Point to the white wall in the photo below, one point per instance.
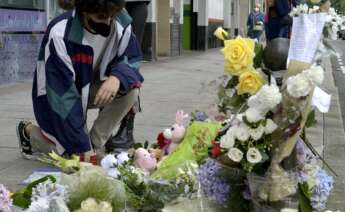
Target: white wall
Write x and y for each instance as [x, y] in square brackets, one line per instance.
[216, 8]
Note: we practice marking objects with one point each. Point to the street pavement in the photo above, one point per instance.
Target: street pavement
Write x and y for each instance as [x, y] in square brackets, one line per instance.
[170, 84]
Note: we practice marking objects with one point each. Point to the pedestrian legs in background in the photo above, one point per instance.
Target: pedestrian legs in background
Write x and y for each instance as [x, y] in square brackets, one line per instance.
[138, 11]
[124, 138]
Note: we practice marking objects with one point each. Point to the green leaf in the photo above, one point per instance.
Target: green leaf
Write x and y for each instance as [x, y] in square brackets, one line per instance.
[22, 198]
[259, 54]
[304, 201]
[146, 144]
[311, 120]
[225, 35]
[265, 157]
[137, 145]
[232, 83]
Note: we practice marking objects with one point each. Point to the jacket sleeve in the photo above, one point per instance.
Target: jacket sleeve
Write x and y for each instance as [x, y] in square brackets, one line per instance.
[126, 67]
[67, 116]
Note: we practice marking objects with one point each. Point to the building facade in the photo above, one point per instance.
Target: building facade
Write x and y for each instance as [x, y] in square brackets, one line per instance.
[177, 25]
[22, 25]
[172, 27]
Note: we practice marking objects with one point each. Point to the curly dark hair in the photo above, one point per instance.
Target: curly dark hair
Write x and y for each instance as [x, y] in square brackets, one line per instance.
[98, 6]
[66, 4]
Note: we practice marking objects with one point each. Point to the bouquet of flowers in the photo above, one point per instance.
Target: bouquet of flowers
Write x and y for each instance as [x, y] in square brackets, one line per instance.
[264, 123]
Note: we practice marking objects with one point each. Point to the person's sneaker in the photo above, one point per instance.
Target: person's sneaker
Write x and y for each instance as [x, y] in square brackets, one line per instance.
[24, 141]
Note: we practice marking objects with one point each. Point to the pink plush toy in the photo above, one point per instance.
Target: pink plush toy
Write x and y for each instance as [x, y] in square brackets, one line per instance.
[144, 160]
[174, 135]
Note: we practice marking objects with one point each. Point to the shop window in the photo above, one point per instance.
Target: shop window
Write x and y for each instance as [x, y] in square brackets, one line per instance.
[24, 4]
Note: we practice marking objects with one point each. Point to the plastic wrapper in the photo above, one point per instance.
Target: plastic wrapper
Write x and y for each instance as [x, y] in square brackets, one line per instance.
[194, 147]
[261, 186]
[92, 182]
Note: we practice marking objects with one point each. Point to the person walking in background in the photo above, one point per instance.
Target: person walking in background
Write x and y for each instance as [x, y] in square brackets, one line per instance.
[255, 23]
[124, 137]
[81, 65]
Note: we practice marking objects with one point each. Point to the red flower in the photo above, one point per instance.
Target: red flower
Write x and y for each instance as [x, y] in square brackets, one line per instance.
[161, 141]
[216, 150]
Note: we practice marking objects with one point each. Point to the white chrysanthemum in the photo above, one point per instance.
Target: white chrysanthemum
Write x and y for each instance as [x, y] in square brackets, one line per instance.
[235, 154]
[270, 126]
[315, 74]
[228, 140]
[253, 155]
[48, 190]
[242, 133]
[41, 204]
[253, 115]
[298, 86]
[122, 157]
[109, 161]
[256, 133]
[267, 98]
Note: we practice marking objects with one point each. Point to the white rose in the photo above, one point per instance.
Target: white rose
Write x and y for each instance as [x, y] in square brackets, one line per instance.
[253, 155]
[109, 161]
[227, 141]
[253, 101]
[122, 157]
[270, 126]
[298, 86]
[235, 154]
[242, 133]
[267, 98]
[256, 133]
[315, 74]
[253, 115]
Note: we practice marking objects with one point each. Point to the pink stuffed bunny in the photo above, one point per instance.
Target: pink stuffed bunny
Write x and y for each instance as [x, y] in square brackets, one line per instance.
[144, 160]
[174, 135]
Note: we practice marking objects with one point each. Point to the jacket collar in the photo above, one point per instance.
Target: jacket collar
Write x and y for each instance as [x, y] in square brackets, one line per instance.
[76, 31]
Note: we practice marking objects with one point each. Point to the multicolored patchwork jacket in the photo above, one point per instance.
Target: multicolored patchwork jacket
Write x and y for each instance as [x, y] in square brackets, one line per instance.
[64, 72]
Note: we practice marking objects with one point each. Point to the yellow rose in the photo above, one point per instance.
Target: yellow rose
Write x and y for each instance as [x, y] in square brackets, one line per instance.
[250, 82]
[228, 69]
[239, 54]
[221, 34]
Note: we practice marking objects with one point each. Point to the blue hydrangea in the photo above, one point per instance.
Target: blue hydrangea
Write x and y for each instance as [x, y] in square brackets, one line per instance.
[322, 190]
[200, 116]
[213, 186]
[5, 200]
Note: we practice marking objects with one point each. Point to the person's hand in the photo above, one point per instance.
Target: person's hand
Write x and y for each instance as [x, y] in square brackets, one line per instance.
[107, 91]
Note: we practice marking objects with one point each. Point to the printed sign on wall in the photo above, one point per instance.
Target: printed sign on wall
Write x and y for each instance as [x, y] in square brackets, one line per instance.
[18, 56]
[22, 20]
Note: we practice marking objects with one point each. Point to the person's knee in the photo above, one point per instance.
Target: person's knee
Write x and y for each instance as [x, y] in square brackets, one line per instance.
[133, 95]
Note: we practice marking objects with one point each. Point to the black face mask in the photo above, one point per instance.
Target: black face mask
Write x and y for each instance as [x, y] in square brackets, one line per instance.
[100, 28]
